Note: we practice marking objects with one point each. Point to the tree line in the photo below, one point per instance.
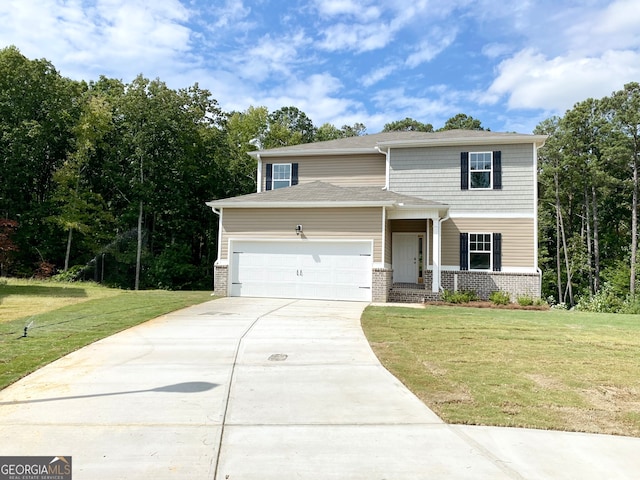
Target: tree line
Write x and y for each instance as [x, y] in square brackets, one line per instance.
[108, 180]
[588, 210]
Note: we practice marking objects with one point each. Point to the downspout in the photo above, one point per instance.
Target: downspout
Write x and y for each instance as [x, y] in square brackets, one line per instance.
[440, 222]
[535, 212]
[219, 213]
[387, 155]
[259, 174]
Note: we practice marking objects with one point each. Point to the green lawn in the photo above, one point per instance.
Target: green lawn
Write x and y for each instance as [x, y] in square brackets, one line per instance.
[550, 370]
[65, 317]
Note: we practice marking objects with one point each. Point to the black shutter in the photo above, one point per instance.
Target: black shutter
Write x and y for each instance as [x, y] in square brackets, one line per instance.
[464, 170]
[497, 170]
[269, 180]
[497, 252]
[294, 174]
[464, 251]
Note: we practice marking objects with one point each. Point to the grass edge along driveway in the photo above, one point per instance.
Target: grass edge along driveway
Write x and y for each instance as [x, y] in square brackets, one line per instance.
[552, 370]
[60, 331]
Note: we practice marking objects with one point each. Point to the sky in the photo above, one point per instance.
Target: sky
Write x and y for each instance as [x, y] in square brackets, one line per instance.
[509, 63]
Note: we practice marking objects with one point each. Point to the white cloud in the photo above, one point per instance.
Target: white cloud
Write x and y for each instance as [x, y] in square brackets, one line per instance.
[231, 14]
[112, 37]
[377, 75]
[427, 50]
[270, 56]
[495, 50]
[366, 11]
[359, 38]
[530, 80]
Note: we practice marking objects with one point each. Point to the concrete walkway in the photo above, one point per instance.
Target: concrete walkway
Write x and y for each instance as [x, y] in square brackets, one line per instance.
[268, 389]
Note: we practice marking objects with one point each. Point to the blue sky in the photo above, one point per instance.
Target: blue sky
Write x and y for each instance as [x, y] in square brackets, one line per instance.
[510, 64]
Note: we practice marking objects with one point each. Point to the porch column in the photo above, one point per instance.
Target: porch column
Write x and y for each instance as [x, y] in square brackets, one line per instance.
[435, 284]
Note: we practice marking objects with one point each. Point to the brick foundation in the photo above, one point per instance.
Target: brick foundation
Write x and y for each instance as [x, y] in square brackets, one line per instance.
[381, 283]
[220, 280]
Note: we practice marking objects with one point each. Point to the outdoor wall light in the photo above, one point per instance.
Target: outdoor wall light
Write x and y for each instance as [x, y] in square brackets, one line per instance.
[298, 229]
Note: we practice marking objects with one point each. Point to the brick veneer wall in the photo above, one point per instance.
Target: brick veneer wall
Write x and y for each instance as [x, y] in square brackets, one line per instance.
[220, 280]
[483, 283]
[381, 283]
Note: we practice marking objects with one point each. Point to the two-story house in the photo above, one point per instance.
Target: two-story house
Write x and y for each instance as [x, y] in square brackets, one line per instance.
[368, 218]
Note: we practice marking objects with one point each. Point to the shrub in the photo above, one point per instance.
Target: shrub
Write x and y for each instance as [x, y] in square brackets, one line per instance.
[525, 301]
[73, 274]
[461, 296]
[631, 305]
[500, 298]
[604, 301]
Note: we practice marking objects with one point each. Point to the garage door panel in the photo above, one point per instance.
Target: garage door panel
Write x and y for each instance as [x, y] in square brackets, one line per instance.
[322, 270]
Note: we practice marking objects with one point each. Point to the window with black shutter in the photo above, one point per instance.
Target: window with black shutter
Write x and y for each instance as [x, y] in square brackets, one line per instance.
[464, 251]
[497, 170]
[497, 252]
[464, 170]
[269, 177]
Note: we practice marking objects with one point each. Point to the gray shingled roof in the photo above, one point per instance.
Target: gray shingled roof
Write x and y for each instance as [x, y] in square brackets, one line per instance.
[322, 194]
[366, 143]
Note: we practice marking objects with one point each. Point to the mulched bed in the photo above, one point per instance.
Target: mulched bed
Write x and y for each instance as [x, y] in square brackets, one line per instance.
[487, 304]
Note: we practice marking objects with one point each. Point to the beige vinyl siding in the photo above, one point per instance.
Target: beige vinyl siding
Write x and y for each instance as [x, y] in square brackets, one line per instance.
[343, 170]
[317, 223]
[434, 174]
[518, 249]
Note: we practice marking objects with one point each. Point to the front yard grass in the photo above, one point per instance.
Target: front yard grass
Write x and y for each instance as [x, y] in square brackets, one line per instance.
[65, 317]
[549, 370]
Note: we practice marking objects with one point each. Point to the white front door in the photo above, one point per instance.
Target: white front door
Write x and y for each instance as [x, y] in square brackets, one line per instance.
[406, 258]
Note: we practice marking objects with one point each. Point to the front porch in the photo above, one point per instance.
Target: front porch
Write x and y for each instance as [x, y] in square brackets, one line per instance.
[411, 293]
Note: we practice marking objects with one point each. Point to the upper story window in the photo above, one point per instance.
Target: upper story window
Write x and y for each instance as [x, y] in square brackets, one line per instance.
[481, 170]
[480, 167]
[280, 175]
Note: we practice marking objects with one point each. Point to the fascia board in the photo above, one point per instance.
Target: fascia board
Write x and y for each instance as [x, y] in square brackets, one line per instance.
[313, 152]
[328, 204]
[538, 140]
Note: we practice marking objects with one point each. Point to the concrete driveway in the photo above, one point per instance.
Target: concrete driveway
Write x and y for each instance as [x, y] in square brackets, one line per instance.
[268, 389]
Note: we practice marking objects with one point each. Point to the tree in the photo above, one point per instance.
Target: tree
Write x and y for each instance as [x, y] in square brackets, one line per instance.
[462, 122]
[288, 126]
[407, 125]
[624, 112]
[7, 230]
[38, 109]
[80, 207]
[328, 131]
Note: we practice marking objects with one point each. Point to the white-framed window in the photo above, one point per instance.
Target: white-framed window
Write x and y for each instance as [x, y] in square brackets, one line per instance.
[281, 175]
[480, 251]
[480, 170]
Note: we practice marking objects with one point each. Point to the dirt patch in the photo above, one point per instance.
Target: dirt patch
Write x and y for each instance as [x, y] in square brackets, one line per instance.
[435, 370]
[545, 382]
[613, 399]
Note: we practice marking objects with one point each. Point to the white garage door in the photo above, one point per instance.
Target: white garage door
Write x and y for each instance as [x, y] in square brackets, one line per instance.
[303, 269]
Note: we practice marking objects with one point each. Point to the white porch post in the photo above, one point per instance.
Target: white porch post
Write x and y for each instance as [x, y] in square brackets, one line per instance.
[435, 284]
